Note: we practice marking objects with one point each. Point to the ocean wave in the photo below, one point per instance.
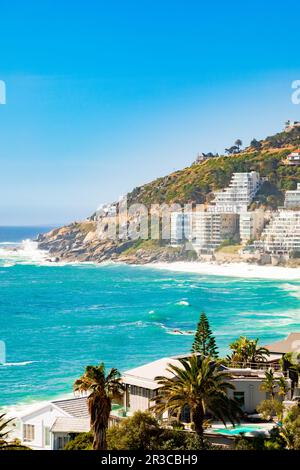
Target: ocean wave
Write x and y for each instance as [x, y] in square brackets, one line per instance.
[183, 302]
[16, 364]
[292, 289]
[26, 252]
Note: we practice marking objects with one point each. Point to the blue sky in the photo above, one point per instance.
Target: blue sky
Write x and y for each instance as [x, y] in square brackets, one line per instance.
[105, 96]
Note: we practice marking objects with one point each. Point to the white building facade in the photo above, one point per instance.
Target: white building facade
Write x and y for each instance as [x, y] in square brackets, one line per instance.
[292, 198]
[51, 425]
[251, 225]
[141, 386]
[282, 235]
[239, 194]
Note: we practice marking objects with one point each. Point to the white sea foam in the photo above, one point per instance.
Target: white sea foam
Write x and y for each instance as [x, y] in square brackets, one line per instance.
[16, 364]
[293, 290]
[183, 303]
[26, 252]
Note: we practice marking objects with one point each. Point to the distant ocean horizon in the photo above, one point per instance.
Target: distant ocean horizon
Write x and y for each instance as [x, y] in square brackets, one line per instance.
[10, 234]
[56, 319]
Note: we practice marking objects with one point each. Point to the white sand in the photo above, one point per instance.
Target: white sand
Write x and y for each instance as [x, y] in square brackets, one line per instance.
[243, 270]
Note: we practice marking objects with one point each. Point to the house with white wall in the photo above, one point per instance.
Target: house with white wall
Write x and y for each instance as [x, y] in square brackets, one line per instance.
[141, 386]
[51, 425]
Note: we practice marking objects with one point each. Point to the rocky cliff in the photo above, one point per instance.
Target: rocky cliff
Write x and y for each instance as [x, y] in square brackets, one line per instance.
[195, 184]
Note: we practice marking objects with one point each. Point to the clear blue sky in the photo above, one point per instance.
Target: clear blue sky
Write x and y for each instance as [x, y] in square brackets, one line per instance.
[105, 96]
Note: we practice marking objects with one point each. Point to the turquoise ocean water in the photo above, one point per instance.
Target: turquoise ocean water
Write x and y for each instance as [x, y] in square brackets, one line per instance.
[57, 319]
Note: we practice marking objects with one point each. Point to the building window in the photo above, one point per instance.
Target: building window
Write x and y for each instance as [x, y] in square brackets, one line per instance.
[28, 432]
[47, 436]
[240, 398]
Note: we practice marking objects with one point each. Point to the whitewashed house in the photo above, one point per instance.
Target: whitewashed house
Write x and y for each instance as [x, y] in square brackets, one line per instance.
[53, 424]
[141, 386]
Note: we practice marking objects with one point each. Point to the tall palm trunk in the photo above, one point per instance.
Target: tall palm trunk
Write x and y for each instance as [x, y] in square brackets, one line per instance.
[99, 441]
[99, 411]
[198, 419]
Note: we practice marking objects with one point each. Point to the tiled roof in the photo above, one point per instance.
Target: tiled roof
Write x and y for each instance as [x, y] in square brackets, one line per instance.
[74, 407]
[144, 376]
[71, 425]
[289, 344]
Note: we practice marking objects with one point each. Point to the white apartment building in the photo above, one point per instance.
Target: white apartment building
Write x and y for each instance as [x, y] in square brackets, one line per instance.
[181, 227]
[292, 198]
[210, 229]
[251, 225]
[239, 194]
[205, 230]
[282, 235]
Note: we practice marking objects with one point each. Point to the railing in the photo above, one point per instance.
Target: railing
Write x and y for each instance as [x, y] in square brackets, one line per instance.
[255, 366]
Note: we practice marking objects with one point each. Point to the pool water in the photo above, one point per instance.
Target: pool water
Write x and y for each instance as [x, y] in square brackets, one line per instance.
[234, 430]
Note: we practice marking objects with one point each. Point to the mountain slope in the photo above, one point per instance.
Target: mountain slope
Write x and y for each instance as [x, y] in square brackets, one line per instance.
[196, 184]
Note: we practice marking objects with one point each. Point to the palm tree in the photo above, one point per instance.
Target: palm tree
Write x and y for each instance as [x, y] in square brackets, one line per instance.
[199, 384]
[247, 350]
[269, 384]
[256, 353]
[283, 387]
[4, 434]
[102, 390]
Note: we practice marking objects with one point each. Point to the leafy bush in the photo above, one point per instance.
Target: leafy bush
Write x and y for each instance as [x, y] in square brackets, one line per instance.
[82, 441]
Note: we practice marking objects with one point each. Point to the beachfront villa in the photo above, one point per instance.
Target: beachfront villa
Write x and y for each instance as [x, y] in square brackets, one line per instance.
[141, 386]
[53, 424]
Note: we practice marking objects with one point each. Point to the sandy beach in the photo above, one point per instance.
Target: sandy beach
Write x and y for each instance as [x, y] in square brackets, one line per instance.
[243, 270]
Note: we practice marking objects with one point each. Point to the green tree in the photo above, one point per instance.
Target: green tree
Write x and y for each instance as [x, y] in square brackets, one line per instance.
[269, 383]
[102, 390]
[245, 350]
[238, 143]
[283, 387]
[204, 341]
[83, 441]
[197, 384]
[255, 144]
[290, 431]
[270, 408]
[139, 432]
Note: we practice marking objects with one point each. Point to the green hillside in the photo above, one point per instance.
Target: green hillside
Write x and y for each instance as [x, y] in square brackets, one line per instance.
[197, 182]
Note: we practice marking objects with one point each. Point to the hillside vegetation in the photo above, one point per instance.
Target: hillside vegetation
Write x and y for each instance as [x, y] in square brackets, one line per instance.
[194, 184]
[197, 182]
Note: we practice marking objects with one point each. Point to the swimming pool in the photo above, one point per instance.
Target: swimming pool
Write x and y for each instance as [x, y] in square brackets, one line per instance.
[241, 429]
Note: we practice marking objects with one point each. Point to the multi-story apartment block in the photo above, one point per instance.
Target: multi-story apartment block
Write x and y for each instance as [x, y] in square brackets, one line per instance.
[210, 229]
[251, 225]
[181, 227]
[205, 230]
[282, 235]
[292, 198]
[238, 195]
